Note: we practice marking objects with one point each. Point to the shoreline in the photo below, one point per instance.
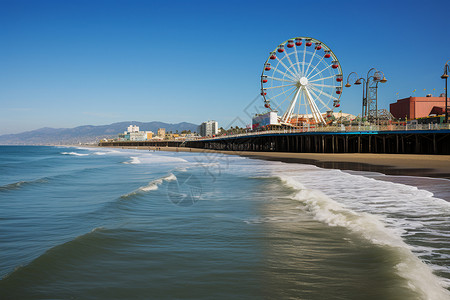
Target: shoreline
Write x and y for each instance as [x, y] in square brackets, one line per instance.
[435, 166]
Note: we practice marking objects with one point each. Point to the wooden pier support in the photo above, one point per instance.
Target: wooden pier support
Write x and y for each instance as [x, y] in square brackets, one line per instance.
[436, 142]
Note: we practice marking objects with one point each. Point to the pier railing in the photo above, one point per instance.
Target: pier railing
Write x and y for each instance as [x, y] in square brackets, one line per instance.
[342, 129]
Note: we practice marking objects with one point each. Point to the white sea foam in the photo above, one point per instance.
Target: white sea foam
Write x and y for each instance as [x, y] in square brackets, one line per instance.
[104, 150]
[151, 186]
[160, 159]
[134, 160]
[74, 153]
[100, 153]
[324, 209]
[180, 169]
[154, 159]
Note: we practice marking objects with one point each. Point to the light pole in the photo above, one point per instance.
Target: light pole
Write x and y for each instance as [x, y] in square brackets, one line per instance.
[370, 98]
[445, 76]
[357, 81]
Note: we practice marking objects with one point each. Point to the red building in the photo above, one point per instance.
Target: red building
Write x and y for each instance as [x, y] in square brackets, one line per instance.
[417, 107]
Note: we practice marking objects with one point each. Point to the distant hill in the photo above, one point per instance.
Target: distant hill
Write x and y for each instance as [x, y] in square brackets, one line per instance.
[86, 134]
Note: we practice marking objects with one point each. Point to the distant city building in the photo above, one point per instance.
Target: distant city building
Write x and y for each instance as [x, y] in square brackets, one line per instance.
[259, 121]
[417, 107]
[209, 128]
[133, 128]
[161, 133]
[133, 134]
[138, 136]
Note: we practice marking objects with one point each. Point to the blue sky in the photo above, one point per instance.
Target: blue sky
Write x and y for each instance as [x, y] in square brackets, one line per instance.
[70, 63]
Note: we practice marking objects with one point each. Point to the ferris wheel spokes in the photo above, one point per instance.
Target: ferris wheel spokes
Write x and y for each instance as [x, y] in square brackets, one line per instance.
[279, 79]
[284, 74]
[283, 92]
[288, 114]
[324, 93]
[296, 58]
[287, 69]
[329, 66]
[299, 105]
[290, 62]
[323, 85]
[314, 109]
[315, 67]
[304, 58]
[310, 61]
[318, 98]
[288, 96]
[322, 78]
[275, 87]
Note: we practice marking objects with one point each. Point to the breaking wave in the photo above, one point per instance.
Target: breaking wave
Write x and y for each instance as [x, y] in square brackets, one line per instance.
[152, 186]
[134, 161]
[324, 209]
[74, 153]
[99, 153]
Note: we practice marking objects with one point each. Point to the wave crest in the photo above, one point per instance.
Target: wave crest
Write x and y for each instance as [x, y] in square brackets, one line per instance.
[152, 186]
[324, 209]
[74, 153]
[134, 161]
[20, 184]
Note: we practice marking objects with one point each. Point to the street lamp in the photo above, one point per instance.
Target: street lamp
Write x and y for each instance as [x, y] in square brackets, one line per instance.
[370, 102]
[445, 76]
[372, 93]
[357, 81]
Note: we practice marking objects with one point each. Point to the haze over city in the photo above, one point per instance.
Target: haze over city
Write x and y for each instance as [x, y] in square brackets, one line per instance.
[71, 63]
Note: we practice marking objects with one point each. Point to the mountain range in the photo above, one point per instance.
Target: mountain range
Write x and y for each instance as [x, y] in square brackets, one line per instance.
[86, 133]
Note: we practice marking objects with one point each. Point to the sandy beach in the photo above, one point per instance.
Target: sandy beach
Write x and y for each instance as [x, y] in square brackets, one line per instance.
[390, 164]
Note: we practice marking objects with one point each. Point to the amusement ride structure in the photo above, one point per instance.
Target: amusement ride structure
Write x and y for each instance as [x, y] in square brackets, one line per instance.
[302, 82]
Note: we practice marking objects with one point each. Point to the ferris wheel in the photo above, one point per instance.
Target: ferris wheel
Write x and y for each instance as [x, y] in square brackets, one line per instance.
[302, 81]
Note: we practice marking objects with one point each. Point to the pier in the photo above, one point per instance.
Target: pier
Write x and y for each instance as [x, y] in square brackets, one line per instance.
[167, 143]
[401, 142]
[320, 140]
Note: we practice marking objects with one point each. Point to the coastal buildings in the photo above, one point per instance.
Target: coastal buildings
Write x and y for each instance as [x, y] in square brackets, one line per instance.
[133, 128]
[161, 133]
[134, 134]
[209, 128]
[417, 107]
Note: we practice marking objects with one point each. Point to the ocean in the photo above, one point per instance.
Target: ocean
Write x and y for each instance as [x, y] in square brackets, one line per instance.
[100, 223]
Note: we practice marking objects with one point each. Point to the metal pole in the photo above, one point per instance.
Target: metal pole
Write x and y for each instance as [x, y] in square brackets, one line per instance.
[367, 100]
[445, 76]
[446, 97]
[376, 105]
[362, 112]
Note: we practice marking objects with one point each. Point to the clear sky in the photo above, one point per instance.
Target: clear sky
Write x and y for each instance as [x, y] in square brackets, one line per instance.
[67, 63]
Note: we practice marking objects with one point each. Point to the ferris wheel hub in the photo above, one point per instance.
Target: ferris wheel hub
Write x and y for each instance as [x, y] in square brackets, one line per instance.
[303, 81]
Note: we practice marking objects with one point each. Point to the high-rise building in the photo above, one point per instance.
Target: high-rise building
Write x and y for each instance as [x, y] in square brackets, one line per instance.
[209, 128]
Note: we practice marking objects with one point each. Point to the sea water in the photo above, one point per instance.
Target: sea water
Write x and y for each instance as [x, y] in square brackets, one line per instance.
[99, 223]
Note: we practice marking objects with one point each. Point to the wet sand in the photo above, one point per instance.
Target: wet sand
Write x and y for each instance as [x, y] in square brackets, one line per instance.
[389, 164]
